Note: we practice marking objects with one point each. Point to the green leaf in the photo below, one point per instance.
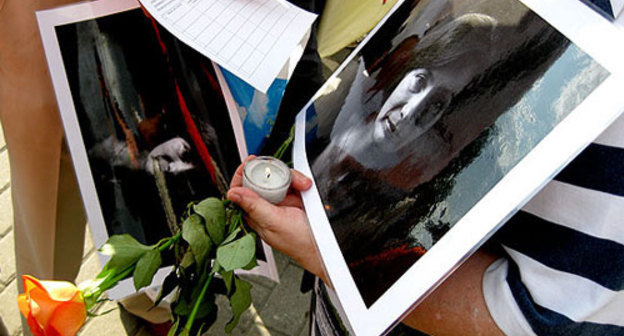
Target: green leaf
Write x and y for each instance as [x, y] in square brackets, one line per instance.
[187, 260]
[124, 251]
[189, 207]
[197, 287]
[91, 288]
[231, 236]
[207, 307]
[194, 234]
[213, 212]
[240, 301]
[238, 253]
[145, 269]
[227, 279]
[210, 318]
[182, 307]
[174, 328]
[236, 217]
[200, 332]
[252, 264]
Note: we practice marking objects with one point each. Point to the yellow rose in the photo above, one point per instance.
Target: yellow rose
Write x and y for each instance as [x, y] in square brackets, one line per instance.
[52, 308]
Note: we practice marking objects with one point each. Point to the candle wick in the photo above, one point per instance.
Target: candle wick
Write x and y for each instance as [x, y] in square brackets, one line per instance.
[267, 172]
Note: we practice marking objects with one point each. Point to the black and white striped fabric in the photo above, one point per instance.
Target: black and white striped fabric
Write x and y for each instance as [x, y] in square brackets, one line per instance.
[565, 271]
[609, 8]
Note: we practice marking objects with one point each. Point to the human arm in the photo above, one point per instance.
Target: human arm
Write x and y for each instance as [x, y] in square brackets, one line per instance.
[457, 307]
[283, 226]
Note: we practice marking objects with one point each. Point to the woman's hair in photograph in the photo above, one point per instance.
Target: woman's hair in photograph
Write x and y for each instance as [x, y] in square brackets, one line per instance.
[521, 55]
[440, 44]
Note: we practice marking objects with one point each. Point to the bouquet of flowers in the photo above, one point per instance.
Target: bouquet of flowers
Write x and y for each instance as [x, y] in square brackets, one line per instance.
[212, 239]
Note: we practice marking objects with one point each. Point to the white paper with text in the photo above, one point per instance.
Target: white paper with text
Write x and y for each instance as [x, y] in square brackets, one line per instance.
[251, 38]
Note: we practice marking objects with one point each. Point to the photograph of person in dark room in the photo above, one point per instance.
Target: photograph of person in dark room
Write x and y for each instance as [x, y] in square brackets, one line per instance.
[432, 112]
[152, 118]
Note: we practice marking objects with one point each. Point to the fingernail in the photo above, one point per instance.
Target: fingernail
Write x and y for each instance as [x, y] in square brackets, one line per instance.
[307, 183]
[234, 197]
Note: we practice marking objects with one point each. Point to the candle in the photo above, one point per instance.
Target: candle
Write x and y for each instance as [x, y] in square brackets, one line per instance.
[268, 177]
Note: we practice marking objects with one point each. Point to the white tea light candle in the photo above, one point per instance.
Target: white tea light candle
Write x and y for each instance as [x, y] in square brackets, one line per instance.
[268, 177]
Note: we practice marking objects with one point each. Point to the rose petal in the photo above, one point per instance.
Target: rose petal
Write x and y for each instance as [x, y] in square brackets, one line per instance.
[41, 306]
[35, 328]
[30, 283]
[52, 308]
[69, 318]
[22, 304]
[60, 290]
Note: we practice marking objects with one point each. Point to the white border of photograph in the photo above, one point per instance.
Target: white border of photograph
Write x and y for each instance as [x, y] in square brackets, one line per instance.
[619, 19]
[590, 32]
[617, 6]
[48, 20]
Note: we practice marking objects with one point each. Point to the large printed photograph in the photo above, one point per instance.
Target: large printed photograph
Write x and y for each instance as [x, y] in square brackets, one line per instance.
[146, 122]
[150, 128]
[153, 121]
[431, 113]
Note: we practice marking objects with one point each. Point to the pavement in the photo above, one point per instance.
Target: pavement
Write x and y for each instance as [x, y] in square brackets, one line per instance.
[277, 309]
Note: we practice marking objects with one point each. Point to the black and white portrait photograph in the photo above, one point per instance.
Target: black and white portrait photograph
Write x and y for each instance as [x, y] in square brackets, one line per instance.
[428, 116]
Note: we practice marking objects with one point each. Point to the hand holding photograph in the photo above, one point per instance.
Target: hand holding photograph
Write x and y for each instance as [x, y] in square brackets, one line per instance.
[436, 97]
[434, 131]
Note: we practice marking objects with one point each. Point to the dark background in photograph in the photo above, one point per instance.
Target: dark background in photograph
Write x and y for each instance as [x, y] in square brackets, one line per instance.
[492, 79]
[144, 100]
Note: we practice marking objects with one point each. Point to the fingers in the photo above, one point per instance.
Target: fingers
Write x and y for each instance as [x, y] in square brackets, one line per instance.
[237, 179]
[292, 200]
[185, 146]
[256, 207]
[299, 181]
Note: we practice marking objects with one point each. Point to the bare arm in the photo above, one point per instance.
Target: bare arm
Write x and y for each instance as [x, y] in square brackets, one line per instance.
[457, 307]
[284, 226]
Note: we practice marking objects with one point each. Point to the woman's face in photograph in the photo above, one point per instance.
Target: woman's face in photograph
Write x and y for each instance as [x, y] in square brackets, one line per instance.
[420, 99]
[443, 63]
[417, 103]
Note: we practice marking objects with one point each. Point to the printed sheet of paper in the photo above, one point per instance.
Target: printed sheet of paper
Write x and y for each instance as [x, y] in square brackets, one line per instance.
[127, 106]
[251, 38]
[436, 129]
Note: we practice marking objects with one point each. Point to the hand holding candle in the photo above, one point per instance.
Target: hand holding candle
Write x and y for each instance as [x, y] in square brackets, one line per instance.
[285, 226]
[267, 176]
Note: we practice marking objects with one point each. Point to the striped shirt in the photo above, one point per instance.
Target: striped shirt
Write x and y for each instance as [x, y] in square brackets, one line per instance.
[564, 274]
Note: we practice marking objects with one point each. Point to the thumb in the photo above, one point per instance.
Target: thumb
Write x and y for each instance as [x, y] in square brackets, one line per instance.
[256, 207]
[300, 182]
